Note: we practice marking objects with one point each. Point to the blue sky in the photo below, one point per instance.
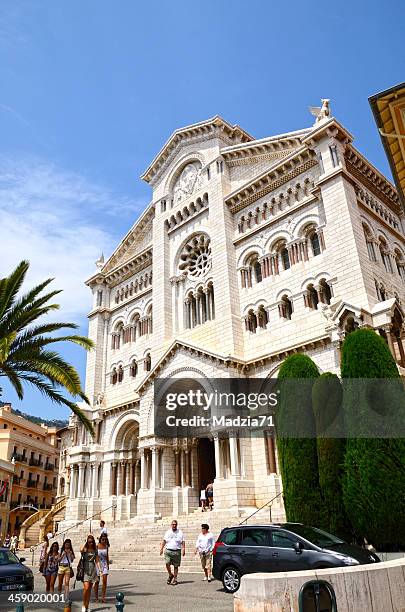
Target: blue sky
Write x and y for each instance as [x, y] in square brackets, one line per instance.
[91, 89]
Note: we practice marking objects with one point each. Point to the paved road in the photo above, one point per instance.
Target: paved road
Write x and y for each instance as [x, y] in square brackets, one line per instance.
[145, 592]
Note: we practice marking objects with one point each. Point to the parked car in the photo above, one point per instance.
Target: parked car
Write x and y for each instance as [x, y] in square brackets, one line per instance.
[280, 548]
[14, 576]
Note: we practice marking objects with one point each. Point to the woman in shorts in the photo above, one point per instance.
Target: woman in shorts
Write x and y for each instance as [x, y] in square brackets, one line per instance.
[66, 558]
[102, 548]
[51, 563]
[91, 565]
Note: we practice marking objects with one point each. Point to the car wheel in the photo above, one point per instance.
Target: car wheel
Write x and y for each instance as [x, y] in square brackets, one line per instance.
[231, 579]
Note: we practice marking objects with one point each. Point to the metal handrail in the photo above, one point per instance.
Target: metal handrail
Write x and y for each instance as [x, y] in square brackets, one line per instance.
[62, 533]
[261, 508]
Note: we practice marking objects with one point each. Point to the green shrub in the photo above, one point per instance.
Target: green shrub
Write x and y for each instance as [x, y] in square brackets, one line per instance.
[327, 394]
[374, 479]
[298, 456]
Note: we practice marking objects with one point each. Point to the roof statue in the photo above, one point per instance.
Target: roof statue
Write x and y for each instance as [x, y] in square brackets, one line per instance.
[100, 261]
[321, 112]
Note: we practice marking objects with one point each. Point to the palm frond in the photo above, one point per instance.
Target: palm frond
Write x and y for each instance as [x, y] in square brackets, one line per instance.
[14, 379]
[10, 286]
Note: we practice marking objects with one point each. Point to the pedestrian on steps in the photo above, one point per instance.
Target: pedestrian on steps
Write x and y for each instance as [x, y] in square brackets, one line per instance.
[51, 563]
[102, 547]
[65, 571]
[204, 547]
[91, 565]
[175, 547]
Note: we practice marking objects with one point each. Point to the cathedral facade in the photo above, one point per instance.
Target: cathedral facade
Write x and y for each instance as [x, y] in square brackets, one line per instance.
[249, 251]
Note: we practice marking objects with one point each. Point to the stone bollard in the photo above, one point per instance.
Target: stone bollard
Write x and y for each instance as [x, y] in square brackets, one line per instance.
[120, 602]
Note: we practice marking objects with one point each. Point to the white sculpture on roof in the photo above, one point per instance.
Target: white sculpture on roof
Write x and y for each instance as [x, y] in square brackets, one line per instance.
[321, 112]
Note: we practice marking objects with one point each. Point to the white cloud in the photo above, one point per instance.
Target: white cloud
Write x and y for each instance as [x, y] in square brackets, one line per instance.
[60, 222]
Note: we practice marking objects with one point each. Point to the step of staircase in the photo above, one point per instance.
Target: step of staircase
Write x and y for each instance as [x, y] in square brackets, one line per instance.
[137, 547]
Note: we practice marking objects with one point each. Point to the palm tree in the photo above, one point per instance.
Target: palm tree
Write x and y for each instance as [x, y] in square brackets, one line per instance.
[24, 356]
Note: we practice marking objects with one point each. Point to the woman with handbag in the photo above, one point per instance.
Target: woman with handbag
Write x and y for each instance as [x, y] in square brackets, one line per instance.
[42, 555]
[50, 570]
[102, 548]
[65, 571]
[91, 565]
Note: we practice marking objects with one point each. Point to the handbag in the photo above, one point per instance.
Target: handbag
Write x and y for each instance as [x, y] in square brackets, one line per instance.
[80, 570]
[71, 572]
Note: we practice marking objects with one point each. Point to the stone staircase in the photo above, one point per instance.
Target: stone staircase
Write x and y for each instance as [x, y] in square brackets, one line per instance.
[135, 546]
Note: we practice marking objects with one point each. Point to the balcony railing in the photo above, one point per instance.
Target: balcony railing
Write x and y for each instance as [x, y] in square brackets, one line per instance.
[49, 466]
[20, 458]
[48, 486]
[15, 503]
[35, 462]
[16, 480]
[32, 484]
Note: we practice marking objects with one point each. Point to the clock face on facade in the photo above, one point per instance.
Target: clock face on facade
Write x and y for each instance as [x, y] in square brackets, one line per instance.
[188, 182]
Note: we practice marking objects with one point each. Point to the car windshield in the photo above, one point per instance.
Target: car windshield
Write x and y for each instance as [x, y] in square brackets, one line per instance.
[7, 557]
[316, 536]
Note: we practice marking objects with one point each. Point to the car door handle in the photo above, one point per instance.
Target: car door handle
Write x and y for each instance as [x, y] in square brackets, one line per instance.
[274, 555]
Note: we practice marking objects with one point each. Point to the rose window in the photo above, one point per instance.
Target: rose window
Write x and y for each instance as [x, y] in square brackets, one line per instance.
[196, 256]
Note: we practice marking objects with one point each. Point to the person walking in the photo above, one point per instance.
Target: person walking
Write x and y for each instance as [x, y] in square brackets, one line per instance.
[175, 547]
[65, 572]
[7, 541]
[51, 563]
[91, 565]
[204, 547]
[209, 491]
[102, 548]
[103, 529]
[42, 554]
[14, 543]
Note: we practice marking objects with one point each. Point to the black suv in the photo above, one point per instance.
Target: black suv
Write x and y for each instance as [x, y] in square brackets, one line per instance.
[280, 548]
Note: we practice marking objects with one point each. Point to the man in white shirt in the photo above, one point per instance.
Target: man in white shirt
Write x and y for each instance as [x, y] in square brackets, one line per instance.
[175, 548]
[103, 528]
[204, 546]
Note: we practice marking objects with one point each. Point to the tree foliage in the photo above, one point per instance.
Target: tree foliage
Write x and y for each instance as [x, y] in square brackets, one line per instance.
[26, 341]
[298, 456]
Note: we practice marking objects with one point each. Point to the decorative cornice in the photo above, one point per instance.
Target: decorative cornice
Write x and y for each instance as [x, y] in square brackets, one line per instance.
[240, 364]
[214, 125]
[376, 182]
[132, 266]
[295, 164]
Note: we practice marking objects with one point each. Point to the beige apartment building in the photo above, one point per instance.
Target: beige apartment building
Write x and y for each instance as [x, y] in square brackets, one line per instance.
[29, 459]
[6, 479]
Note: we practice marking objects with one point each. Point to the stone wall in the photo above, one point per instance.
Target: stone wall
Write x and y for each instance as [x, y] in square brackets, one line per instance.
[365, 588]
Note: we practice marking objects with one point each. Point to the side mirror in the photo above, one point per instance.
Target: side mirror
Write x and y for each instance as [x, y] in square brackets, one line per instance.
[298, 547]
[22, 559]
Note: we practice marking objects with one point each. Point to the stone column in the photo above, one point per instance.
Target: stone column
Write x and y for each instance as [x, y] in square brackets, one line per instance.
[113, 481]
[217, 458]
[155, 468]
[80, 480]
[187, 480]
[143, 469]
[94, 480]
[235, 459]
[72, 482]
[177, 467]
[122, 478]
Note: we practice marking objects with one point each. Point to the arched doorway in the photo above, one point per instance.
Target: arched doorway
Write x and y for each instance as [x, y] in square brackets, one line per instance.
[206, 462]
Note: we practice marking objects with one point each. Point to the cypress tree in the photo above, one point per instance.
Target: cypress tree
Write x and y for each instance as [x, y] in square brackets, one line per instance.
[327, 394]
[374, 479]
[298, 455]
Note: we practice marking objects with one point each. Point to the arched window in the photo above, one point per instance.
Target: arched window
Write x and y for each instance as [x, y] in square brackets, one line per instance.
[325, 292]
[133, 370]
[114, 376]
[251, 322]
[312, 298]
[120, 374]
[385, 256]
[258, 271]
[148, 363]
[285, 307]
[262, 317]
[400, 263]
[285, 258]
[315, 243]
[199, 306]
[370, 244]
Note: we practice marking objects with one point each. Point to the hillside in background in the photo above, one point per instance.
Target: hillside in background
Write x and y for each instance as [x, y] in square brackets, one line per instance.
[58, 423]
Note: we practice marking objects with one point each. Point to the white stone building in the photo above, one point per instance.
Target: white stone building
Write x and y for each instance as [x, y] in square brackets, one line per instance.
[249, 251]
